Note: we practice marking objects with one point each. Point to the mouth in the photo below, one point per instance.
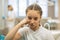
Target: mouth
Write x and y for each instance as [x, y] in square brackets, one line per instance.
[32, 25]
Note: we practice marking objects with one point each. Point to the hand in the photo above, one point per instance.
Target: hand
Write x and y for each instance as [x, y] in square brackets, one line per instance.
[24, 21]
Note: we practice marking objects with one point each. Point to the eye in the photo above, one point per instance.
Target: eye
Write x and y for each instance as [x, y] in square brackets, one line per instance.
[29, 18]
[35, 18]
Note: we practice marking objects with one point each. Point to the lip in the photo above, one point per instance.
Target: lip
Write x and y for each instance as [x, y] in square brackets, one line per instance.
[31, 24]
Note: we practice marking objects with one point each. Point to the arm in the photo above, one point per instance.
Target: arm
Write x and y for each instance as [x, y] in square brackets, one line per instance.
[13, 32]
[17, 36]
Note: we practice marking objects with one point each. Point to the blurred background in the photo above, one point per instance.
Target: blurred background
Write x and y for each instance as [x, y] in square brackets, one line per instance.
[50, 18]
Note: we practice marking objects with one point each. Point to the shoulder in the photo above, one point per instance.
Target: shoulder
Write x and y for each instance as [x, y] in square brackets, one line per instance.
[45, 31]
[22, 31]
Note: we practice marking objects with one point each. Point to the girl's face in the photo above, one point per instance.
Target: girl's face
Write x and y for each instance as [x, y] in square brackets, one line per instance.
[34, 18]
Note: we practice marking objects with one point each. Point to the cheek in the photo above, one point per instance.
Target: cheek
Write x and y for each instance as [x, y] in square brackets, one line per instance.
[38, 22]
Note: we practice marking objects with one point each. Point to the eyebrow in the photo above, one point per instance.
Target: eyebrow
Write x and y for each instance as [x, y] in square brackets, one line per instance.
[33, 17]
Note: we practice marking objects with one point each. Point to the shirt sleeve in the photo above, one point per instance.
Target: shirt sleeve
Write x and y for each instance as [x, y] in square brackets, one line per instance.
[22, 30]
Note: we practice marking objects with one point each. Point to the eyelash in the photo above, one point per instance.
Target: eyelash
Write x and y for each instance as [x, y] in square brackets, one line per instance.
[35, 18]
[29, 18]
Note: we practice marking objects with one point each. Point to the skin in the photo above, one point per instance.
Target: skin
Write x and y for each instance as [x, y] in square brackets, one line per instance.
[32, 19]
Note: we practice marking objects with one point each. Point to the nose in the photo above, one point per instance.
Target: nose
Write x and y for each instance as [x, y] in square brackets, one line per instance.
[32, 21]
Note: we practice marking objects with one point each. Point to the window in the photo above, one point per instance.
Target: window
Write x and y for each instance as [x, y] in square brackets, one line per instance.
[14, 5]
[56, 8]
[24, 3]
[44, 6]
[22, 7]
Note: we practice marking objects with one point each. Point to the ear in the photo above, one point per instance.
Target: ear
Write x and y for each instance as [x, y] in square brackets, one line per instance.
[40, 16]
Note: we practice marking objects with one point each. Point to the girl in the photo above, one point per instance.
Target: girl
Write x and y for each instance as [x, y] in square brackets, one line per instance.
[33, 30]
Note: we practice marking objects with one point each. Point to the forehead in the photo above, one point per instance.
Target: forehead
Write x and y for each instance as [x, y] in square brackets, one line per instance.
[33, 12]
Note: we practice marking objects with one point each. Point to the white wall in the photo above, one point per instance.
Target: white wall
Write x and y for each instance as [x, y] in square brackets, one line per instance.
[3, 11]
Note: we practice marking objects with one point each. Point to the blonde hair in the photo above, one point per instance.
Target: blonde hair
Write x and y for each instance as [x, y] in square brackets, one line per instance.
[34, 7]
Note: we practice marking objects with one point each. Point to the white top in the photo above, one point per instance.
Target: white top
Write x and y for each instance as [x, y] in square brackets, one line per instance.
[11, 24]
[40, 34]
[11, 14]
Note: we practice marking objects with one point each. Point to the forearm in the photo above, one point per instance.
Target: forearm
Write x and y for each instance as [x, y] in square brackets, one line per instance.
[12, 33]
